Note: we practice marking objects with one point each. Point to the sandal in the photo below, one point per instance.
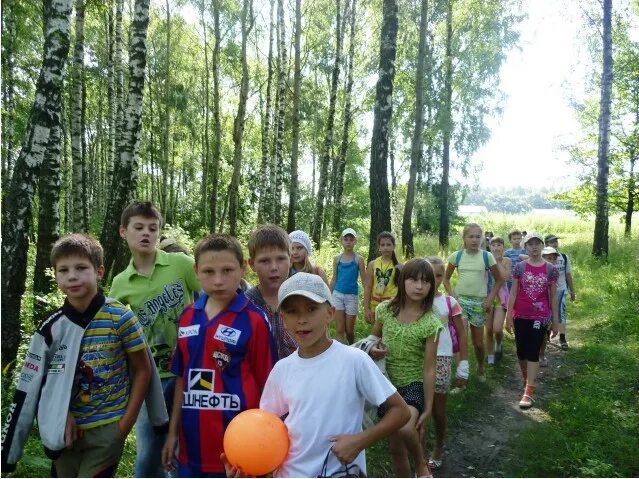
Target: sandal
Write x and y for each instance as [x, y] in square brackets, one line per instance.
[435, 464]
[526, 402]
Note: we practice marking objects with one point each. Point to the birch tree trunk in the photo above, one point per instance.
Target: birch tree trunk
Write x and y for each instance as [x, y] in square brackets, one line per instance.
[348, 120]
[600, 243]
[264, 206]
[48, 215]
[217, 122]
[127, 177]
[379, 195]
[240, 118]
[297, 81]
[77, 126]
[318, 217]
[8, 92]
[17, 216]
[416, 143]
[205, 146]
[444, 221]
[276, 187]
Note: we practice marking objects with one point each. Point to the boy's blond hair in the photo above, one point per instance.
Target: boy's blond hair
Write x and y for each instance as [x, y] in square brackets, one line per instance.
[77, 244]
[268, 236]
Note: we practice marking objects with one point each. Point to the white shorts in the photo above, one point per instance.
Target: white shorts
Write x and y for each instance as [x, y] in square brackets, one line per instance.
[346, 302]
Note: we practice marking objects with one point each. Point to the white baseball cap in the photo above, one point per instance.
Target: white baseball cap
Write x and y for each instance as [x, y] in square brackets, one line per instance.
[349, 231]
[309, 285]
[549, 250]
[530, 236]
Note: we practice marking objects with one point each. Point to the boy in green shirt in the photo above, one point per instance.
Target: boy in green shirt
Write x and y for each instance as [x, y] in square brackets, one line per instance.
[157, 286]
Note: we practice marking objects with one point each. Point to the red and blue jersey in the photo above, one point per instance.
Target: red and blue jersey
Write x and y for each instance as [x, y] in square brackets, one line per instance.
[224, 363]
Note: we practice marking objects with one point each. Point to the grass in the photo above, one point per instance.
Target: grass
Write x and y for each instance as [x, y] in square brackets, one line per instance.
[594, 417]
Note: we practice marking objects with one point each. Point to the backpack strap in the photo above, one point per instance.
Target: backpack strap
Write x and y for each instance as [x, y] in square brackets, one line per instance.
[450, 307]
[458, 256]
[549, 268]
[486, 260]
[563, 255]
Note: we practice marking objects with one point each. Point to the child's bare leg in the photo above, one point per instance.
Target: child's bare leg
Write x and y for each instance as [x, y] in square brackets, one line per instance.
[477, 334]
[533, 371]
[340, 326]
[523, 365]
[410, 438]
[439, 416]
[490, 344]
[542, 350]
[498, 324]
[399, 455]
[350, 328]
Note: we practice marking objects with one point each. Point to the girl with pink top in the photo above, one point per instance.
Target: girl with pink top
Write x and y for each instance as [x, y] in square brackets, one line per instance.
[532, 304]
[495, 319]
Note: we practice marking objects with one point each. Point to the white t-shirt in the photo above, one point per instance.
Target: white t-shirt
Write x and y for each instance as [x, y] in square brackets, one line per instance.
[563, 269]
[445, 345]
[324, 397]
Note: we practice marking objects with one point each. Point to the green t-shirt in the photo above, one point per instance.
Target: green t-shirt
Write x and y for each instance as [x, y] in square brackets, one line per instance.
[472, 279]
[158, 300]
[406, 343]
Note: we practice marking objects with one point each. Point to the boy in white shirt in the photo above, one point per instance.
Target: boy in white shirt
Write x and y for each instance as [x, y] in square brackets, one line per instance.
[322, 387]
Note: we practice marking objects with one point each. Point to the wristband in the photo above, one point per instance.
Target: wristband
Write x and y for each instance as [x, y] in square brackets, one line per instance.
[463, 369]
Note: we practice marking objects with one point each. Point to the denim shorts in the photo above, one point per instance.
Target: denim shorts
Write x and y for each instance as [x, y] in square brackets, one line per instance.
[346, 302]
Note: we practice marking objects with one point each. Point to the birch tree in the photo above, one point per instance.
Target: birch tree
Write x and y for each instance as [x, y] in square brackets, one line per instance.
[77, 125]
[126, 178]
[295, 142]
[318, 217]
[17, 215]
[447, 105]
[600, 242]
[383, 112]
[416, 143]
[238, 124]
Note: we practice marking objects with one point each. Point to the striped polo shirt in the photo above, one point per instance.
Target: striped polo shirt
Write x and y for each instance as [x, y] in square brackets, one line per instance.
[102, 386]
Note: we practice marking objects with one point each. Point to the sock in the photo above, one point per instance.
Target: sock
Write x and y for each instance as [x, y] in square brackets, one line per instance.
[525, 375]
[497, 347]
[491, 359]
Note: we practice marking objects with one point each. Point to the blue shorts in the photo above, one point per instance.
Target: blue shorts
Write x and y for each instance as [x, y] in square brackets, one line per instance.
[561, 302]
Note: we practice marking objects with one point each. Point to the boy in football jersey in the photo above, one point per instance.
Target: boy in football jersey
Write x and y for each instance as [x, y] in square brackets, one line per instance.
[224, 353]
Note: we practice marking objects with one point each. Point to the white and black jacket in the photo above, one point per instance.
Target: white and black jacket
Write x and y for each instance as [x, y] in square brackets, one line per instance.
[46, 382]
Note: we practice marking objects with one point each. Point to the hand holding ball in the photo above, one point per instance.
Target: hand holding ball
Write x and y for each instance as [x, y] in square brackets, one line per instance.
[256, 442]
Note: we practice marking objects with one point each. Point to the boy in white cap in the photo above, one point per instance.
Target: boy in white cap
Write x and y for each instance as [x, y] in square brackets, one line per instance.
[322, 388]
[346, 267]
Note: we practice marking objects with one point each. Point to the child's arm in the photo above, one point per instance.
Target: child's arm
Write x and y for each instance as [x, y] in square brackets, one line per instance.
[334, 276]
[462, 367]
[348, 446]
[362, 270]
[554, 307]
[499, 282]
[511, 304]
[140, 371]
[571, 286]
[506, 268]
[368, 290]
[322, 274]
[449, 273]
[430, 360]
[168, 451]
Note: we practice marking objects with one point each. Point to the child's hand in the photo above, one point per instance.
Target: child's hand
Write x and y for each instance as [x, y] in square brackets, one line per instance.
[420, 425]
[346, 447]
[488, 306]
[368, 316]
[378, 352]
[509, 323]
[555, 329]
[168, 452]
[70, 431]
[231, 470]
[572, 297]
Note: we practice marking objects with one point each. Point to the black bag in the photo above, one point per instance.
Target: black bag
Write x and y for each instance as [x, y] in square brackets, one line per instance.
[350, 470]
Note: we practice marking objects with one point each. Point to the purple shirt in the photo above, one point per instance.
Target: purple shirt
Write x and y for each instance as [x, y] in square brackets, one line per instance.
[533, 298]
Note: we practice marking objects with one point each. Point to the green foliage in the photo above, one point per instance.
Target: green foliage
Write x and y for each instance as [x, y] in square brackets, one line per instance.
[513, 200]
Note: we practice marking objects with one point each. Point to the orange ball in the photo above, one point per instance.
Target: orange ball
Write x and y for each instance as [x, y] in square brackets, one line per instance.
[256, 441]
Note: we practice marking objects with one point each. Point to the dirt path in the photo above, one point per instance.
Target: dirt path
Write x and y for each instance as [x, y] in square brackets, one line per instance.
[480, 445]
